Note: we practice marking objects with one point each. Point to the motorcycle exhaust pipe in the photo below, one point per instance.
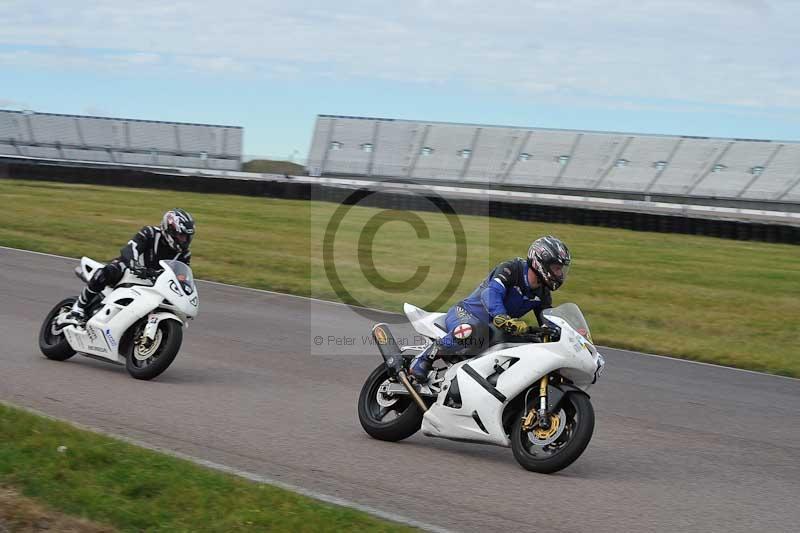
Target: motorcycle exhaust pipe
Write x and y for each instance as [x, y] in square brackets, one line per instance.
[411, 390]
[393, 358]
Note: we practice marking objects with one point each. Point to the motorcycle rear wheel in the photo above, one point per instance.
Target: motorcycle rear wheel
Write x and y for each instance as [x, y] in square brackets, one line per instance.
[564, 450]
[54, 346]
[374, 417]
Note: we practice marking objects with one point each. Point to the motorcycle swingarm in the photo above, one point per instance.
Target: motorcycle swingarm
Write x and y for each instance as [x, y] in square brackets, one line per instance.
[398, 389]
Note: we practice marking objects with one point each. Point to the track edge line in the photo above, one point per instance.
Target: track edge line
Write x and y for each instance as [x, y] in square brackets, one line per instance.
[265, 291]
[250, 476]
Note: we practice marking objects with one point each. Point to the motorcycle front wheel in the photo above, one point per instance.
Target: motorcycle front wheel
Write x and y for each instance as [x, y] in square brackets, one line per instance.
[383, 417]
[52, 343]
[147, 359]
[551, 450]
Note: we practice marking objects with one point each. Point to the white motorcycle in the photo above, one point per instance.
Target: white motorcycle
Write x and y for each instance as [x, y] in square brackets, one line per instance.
[527, 392]
[138, 323]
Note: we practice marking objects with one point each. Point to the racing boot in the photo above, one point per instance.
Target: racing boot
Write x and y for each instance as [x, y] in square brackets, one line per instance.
[421, 365]
[76, 316]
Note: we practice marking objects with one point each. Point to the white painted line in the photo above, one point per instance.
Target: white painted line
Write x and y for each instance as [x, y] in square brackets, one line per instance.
[240, 287]
[258, 478]
[37, 253]
[671, 358]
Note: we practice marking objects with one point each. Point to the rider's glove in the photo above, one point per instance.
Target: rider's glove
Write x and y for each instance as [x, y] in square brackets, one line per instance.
[145, 273]
[514, 326]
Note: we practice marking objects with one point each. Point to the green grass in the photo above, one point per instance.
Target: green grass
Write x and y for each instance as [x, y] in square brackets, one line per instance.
[721, 301]
[133, 489]
[25, 515]
[269, 166]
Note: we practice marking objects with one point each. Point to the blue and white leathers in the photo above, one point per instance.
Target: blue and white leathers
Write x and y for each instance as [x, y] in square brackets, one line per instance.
[573, 356]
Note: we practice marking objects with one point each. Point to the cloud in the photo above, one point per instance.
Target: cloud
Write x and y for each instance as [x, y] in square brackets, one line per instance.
[139, 58]
[727, 52]
[58, 59]
[214, 64]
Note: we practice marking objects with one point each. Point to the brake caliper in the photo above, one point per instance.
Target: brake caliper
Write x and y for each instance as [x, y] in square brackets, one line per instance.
[529, 420]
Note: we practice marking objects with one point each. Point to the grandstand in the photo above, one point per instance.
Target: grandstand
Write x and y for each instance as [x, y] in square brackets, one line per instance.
[743, 170]
[117, 141]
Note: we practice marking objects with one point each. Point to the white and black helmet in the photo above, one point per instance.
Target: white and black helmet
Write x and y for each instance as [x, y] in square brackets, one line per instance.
[550, 259]
[177, 227]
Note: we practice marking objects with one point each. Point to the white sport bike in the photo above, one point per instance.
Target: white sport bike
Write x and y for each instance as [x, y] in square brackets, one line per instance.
[138, 323]
[527, 392]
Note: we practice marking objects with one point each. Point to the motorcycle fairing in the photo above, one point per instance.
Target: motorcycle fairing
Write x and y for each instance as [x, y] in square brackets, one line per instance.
[428, 324]
[103, 332]
[131, 300]
[569, 356]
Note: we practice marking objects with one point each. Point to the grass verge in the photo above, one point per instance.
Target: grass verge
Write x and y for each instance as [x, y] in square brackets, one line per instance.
[132, 489]
[24, 515]
[270, 166]
[714, 300]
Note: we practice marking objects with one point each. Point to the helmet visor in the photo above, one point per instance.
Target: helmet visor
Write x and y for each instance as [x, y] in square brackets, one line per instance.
[559, 271]
[183, 239]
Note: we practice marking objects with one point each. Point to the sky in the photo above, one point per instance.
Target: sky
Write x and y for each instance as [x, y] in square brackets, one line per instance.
[728, 68]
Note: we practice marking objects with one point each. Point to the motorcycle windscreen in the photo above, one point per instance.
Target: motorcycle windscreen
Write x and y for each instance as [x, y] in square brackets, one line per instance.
[573, 316]
[183, 274]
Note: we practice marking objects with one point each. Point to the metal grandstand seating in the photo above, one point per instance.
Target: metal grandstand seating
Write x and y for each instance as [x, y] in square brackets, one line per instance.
[493, 157]
[447, 153]
[399, 145]
[119, 141]
[542, 158]
[639, 164]
[152, 136]
[736, 169]
[781, 173]
[591, 156]
[53, 129]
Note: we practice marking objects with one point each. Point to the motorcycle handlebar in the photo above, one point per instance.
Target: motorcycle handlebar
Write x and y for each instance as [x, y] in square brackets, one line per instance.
[146, 273]
[534, 334]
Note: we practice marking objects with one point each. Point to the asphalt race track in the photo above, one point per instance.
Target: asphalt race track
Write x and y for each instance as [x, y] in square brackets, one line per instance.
[677, 445]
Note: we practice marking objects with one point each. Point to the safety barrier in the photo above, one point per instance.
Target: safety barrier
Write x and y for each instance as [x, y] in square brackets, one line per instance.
[304, 188]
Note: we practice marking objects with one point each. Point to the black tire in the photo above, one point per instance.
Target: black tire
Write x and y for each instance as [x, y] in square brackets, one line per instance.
[55, 347]
[171, 337]
[406, 423]
[569, 445]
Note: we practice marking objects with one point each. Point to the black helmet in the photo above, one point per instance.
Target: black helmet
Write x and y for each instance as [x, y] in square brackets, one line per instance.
[550, 259]
[177, 226]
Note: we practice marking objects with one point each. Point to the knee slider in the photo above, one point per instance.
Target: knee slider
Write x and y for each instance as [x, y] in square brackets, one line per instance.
[98, 280]
[108, 275]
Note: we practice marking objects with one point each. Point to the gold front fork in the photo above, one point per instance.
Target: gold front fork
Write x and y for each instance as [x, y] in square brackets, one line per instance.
[543, 387]
[530, 418]
[544, 418]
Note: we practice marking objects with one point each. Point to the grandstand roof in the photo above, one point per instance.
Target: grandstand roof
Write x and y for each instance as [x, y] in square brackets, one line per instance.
[568, 130]
[29, 112]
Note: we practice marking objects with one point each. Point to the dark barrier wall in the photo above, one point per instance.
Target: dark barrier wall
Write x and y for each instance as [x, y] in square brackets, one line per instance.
[767, 205]
[304, 191]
